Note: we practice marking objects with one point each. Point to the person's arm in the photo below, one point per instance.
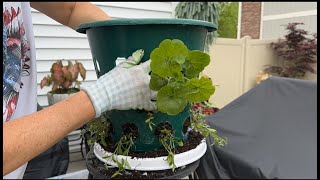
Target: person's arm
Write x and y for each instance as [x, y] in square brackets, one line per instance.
[26, 137]
[71, 14]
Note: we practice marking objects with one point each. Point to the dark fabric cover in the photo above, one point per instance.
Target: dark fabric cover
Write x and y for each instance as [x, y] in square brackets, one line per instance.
[271, 131]
[52, 162]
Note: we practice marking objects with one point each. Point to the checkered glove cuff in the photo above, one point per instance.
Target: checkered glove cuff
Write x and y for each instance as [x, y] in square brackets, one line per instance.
[122, 89]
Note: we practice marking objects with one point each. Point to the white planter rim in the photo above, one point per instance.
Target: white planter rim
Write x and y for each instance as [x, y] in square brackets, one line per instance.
[153, 164]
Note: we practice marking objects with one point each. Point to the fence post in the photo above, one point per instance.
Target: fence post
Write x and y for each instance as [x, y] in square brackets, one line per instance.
[244, 56]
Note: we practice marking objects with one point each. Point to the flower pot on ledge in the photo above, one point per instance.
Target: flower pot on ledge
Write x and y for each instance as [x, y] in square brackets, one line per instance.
[111, 39]
[55, 98]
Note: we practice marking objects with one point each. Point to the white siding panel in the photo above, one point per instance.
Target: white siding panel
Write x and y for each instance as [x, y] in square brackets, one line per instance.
[276, 15]
[63, 54]
[55, 31]
[274, 8]
[39, 18]
[61, 42]
[276, 28]
[151, 6]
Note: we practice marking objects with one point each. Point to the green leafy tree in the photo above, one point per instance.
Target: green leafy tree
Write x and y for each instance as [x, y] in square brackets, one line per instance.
[205, 11]
[228, 20]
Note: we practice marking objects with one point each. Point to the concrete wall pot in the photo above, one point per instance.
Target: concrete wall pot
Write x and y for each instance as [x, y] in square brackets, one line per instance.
[55, 98]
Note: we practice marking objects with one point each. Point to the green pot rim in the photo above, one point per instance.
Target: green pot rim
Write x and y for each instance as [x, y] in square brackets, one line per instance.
[145, 21]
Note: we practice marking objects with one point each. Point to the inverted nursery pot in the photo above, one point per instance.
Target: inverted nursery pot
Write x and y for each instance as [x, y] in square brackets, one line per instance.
[111, 39]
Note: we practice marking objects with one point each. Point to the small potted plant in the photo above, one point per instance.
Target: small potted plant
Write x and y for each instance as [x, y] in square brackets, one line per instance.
[64, 80]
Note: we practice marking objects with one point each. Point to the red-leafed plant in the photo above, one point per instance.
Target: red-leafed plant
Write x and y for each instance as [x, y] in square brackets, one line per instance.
[204, 108]
[64, 79]
[297, 52]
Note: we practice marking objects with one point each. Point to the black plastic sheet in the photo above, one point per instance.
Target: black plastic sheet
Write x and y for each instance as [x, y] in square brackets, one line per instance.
[271, 131]
[50, 163]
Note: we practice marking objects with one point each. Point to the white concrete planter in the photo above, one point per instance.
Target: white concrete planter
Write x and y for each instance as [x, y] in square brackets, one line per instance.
[54, 98]
[152, 164]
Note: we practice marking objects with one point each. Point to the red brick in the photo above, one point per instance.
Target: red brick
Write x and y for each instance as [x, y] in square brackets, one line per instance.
[250, 19]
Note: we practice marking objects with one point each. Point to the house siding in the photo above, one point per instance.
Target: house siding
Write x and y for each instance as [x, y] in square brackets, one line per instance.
[273, 8]
[276, 15]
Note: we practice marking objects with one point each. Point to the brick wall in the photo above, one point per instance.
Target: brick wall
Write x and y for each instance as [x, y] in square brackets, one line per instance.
[250, 19]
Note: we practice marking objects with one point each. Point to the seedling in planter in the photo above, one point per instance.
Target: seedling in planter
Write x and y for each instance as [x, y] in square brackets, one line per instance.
[198, 124]
[99, 129]
[123, 147]
[167, 139]
[149, 119]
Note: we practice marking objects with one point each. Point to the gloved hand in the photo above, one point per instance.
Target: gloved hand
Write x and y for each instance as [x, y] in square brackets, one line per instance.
[124, 87]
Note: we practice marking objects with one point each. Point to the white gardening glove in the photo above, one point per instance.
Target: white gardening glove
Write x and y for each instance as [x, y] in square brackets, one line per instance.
[123, 88]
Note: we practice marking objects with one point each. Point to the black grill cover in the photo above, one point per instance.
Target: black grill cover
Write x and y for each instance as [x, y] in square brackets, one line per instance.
[272, 133]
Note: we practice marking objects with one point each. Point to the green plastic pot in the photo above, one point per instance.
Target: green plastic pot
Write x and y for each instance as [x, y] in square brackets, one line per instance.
[111, 39]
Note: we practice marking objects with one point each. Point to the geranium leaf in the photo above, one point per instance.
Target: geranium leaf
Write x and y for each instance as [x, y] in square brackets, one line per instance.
[168, 102]
[196, 62]
[157, 82]
[168, 57]
[198, 90]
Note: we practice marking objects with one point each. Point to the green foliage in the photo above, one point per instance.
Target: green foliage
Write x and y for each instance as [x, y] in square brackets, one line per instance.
[123, 147]
[157, 82]
[170, 102]
[228, 21]
[198, 124]
[168, 63]
[98, 128]
[198, 90]
[205, 11]
[149, 120]
[168, 141]
[196, 62]
[167, 58]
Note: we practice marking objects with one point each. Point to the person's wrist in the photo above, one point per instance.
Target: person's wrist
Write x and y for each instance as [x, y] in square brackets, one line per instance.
[86, 101]
[99, 97]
